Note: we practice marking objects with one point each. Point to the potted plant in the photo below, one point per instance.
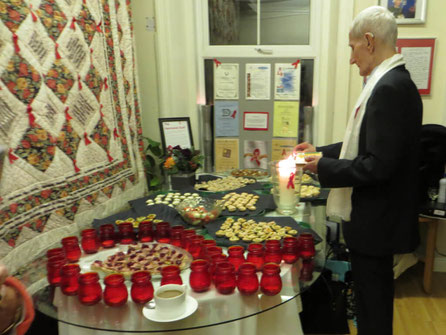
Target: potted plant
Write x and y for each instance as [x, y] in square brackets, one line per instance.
[153, 160]
[181, 165]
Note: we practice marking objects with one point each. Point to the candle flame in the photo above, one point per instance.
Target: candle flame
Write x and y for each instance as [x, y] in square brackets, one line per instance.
[288, 162]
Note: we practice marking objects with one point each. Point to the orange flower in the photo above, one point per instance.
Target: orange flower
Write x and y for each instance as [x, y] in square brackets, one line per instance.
[169, 163]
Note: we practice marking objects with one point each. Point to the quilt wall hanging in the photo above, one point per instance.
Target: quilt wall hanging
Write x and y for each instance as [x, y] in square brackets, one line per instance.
[69, 118]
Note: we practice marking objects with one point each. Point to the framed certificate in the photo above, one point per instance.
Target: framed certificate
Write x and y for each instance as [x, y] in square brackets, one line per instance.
[176, 131]
[255, 120]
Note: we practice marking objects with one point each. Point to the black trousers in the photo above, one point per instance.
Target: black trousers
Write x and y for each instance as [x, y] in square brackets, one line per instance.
[374, 290]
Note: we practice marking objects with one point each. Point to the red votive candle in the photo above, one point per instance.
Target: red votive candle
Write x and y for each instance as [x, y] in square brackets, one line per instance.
[175, 235]
[53, 267]
[225, 279]
[107, 235]
[273, 254]
[255, 255]
[170, 274]
[145, 231]
[290, 250]
[195, 246]
[185, 238]
[142, 288]
[214, 261]
[306, 244]
[69, 283]
[126, 233]
[163, 232]
[71, 247]
[55, 252]
[89, 241]
[212, 251]
[271, 283]
[200, 278]
[115, 292]
[90, 291]
[235, 256]
[247, 280]
[204, 245]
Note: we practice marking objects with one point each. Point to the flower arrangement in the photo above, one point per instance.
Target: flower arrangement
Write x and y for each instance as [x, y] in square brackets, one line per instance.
[180, 160]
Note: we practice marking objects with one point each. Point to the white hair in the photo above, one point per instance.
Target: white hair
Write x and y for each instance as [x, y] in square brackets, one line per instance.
[376, 20]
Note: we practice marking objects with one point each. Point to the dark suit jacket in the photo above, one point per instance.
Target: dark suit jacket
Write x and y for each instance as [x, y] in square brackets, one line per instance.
[384, 175]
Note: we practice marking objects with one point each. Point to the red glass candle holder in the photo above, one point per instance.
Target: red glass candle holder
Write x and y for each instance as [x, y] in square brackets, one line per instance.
[69, 283]
[71, 247]
[163, 232]
[53, 267]
[306, 273]
[126, 233]
[247, 280]
[235, 256]
[214, 261]
[290, 250]
[271, 283]
[212, 251]
[90, 291]
[255, 255]
[145, 231]
[273, 253]
[142, 288]
[115, 292]
[170, 274]
[107, 235]
[175, 235]
[89, 241]
[55, 252]
[185, 238]
[195, 246]
[225, 279]
[200, 278]
[306, 244]
[204, 245]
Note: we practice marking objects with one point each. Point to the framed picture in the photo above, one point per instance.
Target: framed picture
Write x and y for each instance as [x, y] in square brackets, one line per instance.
[406, 11]
[176, 131]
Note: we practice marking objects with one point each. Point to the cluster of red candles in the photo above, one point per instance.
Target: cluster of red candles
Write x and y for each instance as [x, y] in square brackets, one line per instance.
[210, 265]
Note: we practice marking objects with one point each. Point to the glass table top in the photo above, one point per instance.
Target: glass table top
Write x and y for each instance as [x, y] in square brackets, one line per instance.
[213, 308]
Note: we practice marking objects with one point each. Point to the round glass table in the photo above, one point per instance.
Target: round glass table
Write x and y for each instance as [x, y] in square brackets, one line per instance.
[214, 309]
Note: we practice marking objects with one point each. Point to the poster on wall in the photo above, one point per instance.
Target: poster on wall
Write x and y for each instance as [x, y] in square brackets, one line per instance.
[255, 155]
[226, 77]
[287, 81]
[282, 148]
[419, 56]
[286, 119]
[258, 81]
[226, 154]
[255, 120]
[226, 118]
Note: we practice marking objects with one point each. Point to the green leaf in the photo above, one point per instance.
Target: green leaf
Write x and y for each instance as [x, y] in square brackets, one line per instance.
[154, 181]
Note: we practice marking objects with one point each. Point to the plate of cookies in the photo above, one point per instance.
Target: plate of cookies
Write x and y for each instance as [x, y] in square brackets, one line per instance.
[229, 231]
[213, 184]
[245, 203]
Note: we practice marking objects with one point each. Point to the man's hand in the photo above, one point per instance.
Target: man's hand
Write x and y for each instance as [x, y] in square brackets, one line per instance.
[305, 147]
[312, 162]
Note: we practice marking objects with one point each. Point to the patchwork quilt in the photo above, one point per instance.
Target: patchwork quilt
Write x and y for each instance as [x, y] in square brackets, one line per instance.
[69, 119]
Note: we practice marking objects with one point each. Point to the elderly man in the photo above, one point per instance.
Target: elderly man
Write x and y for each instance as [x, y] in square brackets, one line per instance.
[373, 173]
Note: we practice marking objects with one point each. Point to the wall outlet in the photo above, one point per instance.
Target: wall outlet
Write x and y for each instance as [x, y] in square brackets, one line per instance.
[150, 24]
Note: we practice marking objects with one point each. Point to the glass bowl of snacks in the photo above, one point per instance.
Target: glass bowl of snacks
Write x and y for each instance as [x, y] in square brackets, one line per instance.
[200, 211]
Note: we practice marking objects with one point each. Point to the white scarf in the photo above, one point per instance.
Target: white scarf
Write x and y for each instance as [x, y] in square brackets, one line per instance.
[339, 202]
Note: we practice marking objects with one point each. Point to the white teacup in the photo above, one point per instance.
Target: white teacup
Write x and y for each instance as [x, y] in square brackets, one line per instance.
[170, 300]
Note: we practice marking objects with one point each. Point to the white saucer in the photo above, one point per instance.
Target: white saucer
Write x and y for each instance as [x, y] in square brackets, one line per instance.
[153, 315]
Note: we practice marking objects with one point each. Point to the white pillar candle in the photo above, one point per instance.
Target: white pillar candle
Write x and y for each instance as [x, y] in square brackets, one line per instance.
[286, 172]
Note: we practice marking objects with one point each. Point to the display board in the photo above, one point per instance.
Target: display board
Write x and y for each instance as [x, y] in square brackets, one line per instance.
[260, 103]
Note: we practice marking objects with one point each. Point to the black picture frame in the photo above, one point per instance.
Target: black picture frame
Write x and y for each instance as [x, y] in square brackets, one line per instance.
[183, 136]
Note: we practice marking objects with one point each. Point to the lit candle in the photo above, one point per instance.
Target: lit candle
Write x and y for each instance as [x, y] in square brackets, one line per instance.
[286, 172]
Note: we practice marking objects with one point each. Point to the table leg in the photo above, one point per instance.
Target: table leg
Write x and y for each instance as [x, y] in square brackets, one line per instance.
[430, 255]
